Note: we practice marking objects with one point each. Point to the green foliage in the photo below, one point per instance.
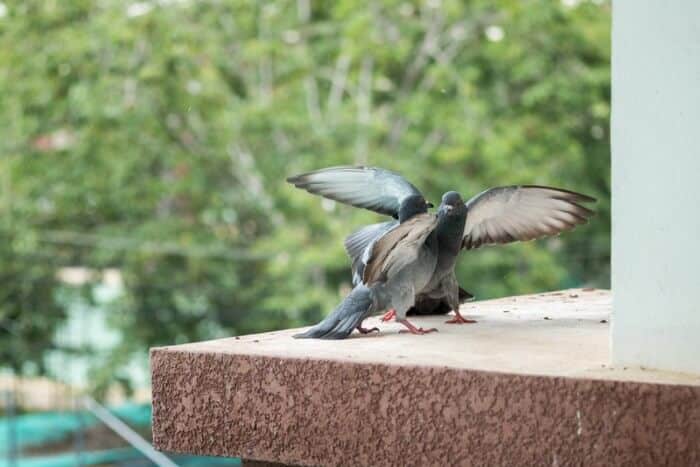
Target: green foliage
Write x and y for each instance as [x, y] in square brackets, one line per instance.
[28, 282]
[155, 137]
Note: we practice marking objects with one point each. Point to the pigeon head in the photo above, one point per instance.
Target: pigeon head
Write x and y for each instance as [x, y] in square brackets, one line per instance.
[452, 204]
[413, 205]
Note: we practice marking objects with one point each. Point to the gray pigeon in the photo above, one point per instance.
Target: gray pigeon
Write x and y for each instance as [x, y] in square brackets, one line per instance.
[503, 215]
[378, 190]
[401, 265]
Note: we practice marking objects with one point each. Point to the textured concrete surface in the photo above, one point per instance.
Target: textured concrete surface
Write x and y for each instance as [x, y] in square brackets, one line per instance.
[529, 384]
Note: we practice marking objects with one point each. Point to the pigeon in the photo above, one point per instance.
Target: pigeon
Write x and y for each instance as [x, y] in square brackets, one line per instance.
[503, 215]
[495, 216]
[378, 190]
[400, 266]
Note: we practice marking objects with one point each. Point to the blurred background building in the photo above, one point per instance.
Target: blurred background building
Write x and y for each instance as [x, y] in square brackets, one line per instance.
[144, 147]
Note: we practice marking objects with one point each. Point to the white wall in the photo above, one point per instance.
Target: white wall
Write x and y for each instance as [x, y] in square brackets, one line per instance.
[656, 183]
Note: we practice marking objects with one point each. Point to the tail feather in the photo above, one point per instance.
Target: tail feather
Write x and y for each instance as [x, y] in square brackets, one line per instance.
[465, 296]
[347, 316]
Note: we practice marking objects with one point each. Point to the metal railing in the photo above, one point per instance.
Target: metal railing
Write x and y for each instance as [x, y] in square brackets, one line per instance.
[125, 432]
[82, 403]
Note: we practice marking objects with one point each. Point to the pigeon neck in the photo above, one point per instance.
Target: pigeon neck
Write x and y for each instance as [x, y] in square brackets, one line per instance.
[450, 230]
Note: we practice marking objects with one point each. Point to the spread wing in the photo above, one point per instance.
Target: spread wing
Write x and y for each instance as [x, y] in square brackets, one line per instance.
[358, 243]
[513, 213]
[371, 188]
[398, 248]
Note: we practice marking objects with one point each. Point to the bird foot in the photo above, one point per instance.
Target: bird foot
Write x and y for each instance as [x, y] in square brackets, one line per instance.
[389, 315]
[459, 319]
[414, 330]
[366, 330]
[417, 331]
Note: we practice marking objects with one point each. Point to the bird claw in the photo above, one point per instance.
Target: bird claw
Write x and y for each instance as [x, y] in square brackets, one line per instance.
[367, 331]
[389, 315]
[417, 331]
[459, 319]
[414, 330]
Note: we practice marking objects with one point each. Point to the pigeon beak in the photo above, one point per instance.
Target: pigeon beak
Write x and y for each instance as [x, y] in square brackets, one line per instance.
[429, 205]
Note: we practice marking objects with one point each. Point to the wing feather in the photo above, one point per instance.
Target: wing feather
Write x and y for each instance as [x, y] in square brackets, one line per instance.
[372, 188]
[359, 243]
[514, 213]
[398, 248]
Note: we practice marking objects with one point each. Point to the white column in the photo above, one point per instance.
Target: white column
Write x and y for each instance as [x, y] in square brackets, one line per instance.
[656, 184]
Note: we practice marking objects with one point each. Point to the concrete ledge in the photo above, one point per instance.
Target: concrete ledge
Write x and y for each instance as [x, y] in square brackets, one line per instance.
[513, 389]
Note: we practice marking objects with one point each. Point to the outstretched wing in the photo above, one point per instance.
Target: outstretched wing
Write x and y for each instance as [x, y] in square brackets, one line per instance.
[371, 188]
[398, 248]
[513, 213]
[358, 243]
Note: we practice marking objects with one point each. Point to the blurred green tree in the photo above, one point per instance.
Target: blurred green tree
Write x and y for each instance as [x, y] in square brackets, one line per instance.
[154, 136]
